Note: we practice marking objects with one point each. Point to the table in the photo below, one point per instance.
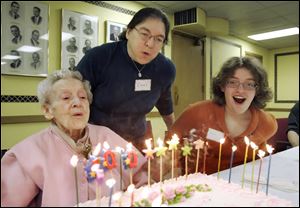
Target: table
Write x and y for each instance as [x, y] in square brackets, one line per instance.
[284, 175]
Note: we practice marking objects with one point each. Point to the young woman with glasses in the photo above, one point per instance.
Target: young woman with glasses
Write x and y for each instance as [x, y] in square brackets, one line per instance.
[240, 92]
[130, 76]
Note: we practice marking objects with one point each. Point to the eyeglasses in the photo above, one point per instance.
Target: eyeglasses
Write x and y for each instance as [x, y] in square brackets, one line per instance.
[145, 36]
[248, 85]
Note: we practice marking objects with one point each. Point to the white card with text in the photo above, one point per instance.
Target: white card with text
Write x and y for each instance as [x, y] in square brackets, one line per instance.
[142, 85]
[214, 135]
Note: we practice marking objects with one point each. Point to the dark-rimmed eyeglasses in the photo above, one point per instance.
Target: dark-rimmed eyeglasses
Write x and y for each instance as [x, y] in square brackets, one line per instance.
[247, 85]
[145, 36]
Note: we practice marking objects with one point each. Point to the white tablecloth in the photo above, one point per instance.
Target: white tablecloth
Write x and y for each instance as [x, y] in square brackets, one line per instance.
[284, 175]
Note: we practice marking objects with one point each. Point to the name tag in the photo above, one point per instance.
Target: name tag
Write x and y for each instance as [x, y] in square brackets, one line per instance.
[214, 135]
[142, 85]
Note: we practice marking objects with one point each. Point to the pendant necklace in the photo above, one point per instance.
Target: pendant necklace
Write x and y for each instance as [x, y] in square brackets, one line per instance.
[139, 70]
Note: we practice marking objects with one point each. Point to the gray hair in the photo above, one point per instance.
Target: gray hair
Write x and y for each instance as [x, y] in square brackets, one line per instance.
[44, 89]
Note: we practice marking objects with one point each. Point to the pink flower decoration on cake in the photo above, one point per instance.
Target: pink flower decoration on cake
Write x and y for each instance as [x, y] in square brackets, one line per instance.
[180, 189]
[153, 195]
[169, 193]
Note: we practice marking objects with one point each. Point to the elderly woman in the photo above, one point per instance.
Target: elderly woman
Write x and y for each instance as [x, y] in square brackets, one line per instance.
[37, 171]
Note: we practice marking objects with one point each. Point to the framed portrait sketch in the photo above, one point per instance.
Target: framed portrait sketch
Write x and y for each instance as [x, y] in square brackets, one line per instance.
[79, 34]
[113, 30]
[24, 38]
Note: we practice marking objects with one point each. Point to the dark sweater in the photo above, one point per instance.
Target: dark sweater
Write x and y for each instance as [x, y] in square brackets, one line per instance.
[116, 104]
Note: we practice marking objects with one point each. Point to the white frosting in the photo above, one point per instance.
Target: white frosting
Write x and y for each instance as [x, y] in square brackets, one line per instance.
[222, 194]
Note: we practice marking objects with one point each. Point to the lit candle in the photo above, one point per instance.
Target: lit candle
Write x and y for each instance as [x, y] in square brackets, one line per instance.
[99, 179]
[231, 160]
[130, 190]
[110, 183]
[269, 150]
[93, 170]
[149, 155]
[109, 158]
[160, 152]
[74, 161]
[261, 154]
[199, 144]
[247, 141]
[120, 151]
[186, 151]
[131, 160]
[220, 153]
[204, 156]
[99, 174]
[97, 149]
[173, 146]
[254, 147]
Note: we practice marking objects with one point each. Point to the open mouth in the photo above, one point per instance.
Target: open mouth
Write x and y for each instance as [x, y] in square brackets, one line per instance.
[239, 99]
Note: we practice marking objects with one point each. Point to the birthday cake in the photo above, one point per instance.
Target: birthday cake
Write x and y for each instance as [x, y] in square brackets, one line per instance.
[195, 190]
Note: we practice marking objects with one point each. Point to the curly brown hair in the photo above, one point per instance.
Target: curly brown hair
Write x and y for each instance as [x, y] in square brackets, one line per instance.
[263, 92]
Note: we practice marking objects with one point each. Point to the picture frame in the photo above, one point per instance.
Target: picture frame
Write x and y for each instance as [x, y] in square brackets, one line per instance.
[113, 30]
[79, 34]
[24, 47]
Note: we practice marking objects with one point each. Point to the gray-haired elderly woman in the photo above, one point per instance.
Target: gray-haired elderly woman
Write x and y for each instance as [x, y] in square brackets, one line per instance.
[37, 171]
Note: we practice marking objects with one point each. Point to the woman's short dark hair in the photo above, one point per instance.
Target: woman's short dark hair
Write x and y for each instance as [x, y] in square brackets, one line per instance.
[263, 92]
[144, 14]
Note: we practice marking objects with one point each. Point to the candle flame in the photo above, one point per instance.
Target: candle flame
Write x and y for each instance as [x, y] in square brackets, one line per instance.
[173, 142]
[110, 182]
[233, 148]
[97, 149]
[175, 137]
[160, 142]
[222, 140]
[148, 143]
[269, 148]
[261, 153]
[119, 149]
[253, 146]
[106, 145]
[74, 160]
[129, 147]
[247, 141]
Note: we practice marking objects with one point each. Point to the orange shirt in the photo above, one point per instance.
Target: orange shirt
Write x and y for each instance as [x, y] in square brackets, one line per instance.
[207, 114]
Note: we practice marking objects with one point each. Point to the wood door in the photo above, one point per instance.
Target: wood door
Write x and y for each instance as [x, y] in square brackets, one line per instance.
[189, 82]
